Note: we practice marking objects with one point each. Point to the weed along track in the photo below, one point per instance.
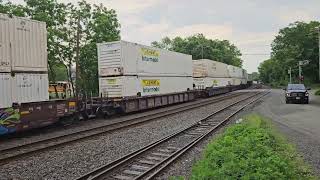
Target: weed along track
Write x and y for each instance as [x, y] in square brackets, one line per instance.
[23, 150]
[150, 160]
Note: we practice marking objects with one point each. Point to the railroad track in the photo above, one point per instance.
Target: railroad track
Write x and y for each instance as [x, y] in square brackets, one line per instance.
[20, 151]
[149, 161]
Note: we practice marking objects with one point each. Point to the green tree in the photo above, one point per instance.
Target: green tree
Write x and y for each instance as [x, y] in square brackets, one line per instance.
[97, 24]
[254, 76]
[298, 41]
[12, 9]
[202, 48]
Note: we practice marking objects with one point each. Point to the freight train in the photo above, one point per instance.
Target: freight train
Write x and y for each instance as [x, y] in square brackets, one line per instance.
[132, 78]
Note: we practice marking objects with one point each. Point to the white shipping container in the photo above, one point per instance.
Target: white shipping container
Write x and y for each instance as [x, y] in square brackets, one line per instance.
[245, 74]
[124, 86]
[235, 72]
[28, 40]
[125, 58]
[30, 87]
[5, 63]
[5, 90]
[207, 82]
[236, 81]
[244, 81]
[209, 68]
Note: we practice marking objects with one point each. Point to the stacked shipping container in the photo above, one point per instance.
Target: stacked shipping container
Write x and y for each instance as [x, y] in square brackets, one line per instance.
[23, 61]
[130, 69]
[208, 73]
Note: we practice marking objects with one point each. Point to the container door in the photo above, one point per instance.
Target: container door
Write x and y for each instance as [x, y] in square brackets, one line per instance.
[5, 62]
[28, 45]
[109, 59]
[5, 90]
[30, 88]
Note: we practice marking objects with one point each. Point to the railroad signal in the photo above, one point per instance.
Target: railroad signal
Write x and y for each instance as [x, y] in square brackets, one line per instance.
[301, 78]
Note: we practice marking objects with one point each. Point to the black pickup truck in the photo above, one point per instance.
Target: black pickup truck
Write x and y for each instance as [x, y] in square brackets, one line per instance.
[297, 93]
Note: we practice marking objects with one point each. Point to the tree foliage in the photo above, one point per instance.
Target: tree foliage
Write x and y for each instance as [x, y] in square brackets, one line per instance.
[297, 42]
[202, 48]
[93, 24]
[254, 76]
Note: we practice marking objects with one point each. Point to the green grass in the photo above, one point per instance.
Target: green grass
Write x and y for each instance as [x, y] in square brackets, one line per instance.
[251, 150]
[317, 93]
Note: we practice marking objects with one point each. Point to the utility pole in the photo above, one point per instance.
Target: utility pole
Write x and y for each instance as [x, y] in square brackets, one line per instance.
[319, 49]
[202, 51]
[300, 69]
[289, 71]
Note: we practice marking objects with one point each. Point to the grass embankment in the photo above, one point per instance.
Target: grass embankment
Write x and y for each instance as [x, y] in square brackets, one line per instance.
[317, 88]
[251, 150]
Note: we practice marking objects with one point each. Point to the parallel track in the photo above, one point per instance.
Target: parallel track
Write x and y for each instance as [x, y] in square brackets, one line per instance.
[23, 150]
[149, 161]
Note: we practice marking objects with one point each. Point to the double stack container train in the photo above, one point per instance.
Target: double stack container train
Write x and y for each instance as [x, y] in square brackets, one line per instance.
[212, 77]
[132, 78]
[129, 69]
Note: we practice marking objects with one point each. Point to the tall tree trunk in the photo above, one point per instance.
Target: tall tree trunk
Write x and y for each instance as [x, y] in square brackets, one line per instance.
[77, 58]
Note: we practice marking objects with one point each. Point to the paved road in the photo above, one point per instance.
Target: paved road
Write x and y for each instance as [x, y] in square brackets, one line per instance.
[299, 122]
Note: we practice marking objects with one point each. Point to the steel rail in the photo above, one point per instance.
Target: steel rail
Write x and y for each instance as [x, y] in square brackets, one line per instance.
[99, 172]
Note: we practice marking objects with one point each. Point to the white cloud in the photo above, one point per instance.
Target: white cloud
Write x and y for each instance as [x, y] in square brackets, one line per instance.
[292, 15]
[211, 31]
[124, 6]
[250, 25]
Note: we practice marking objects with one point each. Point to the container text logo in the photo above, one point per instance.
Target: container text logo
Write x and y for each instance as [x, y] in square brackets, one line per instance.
[215, 82]
[150, 85]
[150, 55]
[111, 81]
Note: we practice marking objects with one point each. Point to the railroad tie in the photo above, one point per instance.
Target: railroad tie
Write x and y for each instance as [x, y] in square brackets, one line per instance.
[147, 162]
[138, 167]
[120, 177]
[166, 150]
[193, 133]
[160, 154]
[154, 158]
[132, 172]
[173, 148]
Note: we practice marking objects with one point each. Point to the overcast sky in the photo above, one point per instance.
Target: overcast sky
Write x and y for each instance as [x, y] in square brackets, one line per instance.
[249, 24]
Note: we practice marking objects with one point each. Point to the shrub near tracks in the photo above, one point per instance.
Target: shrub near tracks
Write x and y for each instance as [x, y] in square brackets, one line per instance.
[251, 150]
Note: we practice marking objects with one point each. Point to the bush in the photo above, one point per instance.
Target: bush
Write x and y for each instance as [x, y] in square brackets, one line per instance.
[250, 150]
[317, 92]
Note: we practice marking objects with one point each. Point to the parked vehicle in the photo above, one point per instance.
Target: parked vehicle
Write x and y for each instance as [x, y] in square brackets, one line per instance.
[296, 93]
